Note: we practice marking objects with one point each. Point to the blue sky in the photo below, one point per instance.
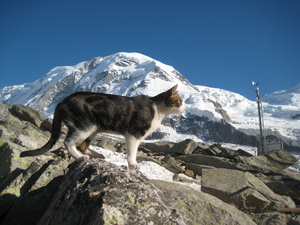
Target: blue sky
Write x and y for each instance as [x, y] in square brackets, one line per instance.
[215, 43]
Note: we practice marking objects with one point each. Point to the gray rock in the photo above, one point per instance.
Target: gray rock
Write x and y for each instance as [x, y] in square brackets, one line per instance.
[271, 162]
[198, 168]
[47, 123]
[199, 207]
[185, 147]
[273, 218]
[98, 192]
[173, 164]
[21, 175]
[29, 209]
[162, 146]
[28, 114]
[243, 190]
[285, 182]
[106, 142]
[214, 161]
[4, 112]
[18, 176]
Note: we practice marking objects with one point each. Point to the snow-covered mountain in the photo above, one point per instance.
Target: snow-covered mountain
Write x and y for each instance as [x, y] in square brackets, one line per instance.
[212, 114]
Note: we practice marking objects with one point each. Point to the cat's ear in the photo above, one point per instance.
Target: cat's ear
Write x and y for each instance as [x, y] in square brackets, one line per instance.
[173, 90]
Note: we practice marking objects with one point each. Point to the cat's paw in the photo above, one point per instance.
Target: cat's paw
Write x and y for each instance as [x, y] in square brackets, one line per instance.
[134, 165]
[83, 158]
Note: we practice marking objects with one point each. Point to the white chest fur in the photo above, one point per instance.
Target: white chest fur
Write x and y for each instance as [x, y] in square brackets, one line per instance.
[159, 115]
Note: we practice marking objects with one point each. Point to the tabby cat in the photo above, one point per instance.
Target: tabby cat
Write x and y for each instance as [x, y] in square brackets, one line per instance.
[87, 113]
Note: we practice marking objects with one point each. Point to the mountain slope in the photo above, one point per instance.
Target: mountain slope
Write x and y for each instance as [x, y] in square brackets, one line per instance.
[212, 114]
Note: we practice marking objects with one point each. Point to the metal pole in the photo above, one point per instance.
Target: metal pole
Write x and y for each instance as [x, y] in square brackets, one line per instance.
[260, 115]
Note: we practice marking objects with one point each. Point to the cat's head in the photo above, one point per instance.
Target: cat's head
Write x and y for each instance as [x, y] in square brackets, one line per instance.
[172, 102]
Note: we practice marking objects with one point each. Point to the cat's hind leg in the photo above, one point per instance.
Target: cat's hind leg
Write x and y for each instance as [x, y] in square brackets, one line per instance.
[72, 140]
[132, 144]
[86, 144]
[84, 147]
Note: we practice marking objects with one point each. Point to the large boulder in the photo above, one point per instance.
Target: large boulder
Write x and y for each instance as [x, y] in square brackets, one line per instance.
[199, 207]
[28, 114]
[243, 190]
[21, 175]
[15, 172]
[29, 208]
[98, 192]
[18, 176]
[272, 162]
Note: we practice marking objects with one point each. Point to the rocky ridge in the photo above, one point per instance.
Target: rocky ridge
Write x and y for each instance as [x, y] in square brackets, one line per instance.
[235, 187]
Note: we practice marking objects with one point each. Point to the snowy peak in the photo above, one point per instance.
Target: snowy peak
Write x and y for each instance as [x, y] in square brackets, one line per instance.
[121, 73]
[285, 97]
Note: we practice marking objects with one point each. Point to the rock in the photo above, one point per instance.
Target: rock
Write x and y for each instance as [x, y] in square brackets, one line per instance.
[273, 218]
[182, 178]
[271, 162]
[241, 152]
[197, 168]
[18, 176]
[198, 207]
[214, 161]
[21, 175]
[109, 143]
[162, 146]
[218, 150]
[28, 114]
[98, 192]
[173, 163]
[4, 112]
[25, 136]
[47, 123]
[285, 182]
[201, 149]
[36, 203]
[9, 158]
[189, 173]
[243, 190]
[185, 147]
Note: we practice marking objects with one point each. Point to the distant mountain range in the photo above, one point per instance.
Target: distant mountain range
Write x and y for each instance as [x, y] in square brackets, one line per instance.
[211, 114]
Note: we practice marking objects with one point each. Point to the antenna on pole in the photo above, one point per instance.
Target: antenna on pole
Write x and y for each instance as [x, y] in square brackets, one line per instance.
[261, 120]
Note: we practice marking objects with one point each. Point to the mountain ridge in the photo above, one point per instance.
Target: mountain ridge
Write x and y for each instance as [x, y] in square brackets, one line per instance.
[132, 74]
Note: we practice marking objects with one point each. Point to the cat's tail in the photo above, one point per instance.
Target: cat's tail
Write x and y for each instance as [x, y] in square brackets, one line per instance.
[56, 130]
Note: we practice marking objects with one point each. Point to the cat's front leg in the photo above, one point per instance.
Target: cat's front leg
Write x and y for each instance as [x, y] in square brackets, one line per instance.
[132, 145]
